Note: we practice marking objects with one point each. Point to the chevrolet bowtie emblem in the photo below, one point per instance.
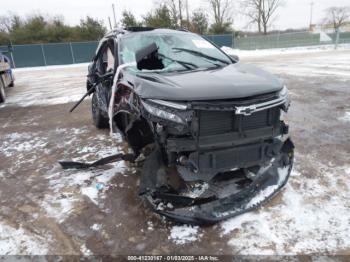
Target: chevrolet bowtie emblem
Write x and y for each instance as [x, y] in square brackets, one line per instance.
[245, 110]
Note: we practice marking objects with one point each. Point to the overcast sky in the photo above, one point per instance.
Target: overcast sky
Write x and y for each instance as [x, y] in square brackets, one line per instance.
[294, 14]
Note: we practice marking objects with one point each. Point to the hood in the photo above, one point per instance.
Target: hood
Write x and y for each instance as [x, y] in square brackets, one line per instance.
[233, 81]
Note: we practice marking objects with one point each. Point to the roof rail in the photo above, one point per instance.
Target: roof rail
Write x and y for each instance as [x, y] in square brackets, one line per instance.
[139, 28]
[115, 31]
[183, 29]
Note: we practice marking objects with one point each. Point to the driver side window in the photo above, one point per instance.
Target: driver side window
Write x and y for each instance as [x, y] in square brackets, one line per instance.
[106, 58]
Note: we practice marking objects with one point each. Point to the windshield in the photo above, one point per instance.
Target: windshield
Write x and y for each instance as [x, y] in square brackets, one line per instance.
[178, 51]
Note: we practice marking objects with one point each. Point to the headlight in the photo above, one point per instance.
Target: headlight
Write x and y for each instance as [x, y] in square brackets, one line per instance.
[175, 105]
[285, 94]
[158, 112]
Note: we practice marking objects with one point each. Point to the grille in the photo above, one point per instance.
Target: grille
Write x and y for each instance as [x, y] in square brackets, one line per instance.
[221, 122]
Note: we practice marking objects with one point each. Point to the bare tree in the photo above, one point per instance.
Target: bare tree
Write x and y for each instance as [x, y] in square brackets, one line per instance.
[176, 8]
[252, 9]
[337, 16]
[5, 24]
[262, 12]
[221, 10]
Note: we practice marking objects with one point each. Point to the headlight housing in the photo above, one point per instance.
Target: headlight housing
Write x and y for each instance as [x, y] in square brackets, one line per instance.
[160, 112]
[284, 93]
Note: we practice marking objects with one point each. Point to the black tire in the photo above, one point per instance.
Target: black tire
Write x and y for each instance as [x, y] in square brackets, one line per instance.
[2, 91]
[100, 121]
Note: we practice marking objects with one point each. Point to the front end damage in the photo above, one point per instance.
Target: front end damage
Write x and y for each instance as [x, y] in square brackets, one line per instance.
[214, 160]
[211, 129]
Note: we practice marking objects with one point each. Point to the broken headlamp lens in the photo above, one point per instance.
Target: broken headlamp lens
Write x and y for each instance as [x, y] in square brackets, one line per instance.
[161, 113]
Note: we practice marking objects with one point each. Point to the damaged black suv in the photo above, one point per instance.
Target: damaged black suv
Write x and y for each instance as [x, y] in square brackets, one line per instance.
[208, 126]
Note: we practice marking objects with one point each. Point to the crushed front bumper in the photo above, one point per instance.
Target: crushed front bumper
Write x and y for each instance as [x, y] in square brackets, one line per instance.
[268, 181]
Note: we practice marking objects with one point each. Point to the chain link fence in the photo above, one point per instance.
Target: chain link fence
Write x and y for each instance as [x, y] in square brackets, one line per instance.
[81, 52]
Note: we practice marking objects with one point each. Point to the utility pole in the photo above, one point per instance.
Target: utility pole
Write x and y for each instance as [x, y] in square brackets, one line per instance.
[187, 16]
[180, 12]
[311, 11]
[110, 24]
[115, 19]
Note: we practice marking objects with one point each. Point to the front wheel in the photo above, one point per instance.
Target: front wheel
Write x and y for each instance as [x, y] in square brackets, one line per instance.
[100, 121]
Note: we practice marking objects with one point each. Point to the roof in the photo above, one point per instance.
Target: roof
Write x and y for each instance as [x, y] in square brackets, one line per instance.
[130, 30]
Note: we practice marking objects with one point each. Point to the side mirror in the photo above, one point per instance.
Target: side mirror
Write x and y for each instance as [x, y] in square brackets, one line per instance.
[147, 58]
[234, 57]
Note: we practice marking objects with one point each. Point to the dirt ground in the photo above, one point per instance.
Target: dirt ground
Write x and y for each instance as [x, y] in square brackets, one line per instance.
[45, 210]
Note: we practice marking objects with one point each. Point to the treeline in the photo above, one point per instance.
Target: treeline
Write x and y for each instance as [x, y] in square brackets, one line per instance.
[176, 14]
[40, 29]
[163, 18]
[215, 17]
[43, 29]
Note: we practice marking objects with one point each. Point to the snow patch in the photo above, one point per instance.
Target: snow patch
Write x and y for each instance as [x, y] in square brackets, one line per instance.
[308, 218]
[347, 170]
[48, 68]
[21, 142]
[92, 193]
[16, 241]
[66, 84]
[261, 196]
[281, 51]
[85, 251]
[150, 226]
[59, 207]
[324, 64]
[197, 190]
[345, 117]
[96, 227]
[69, 185]
[184, 234]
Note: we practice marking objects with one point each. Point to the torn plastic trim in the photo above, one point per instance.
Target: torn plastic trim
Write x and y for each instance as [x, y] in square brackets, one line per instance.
[222, 209]
[269, 181]
[114, 88]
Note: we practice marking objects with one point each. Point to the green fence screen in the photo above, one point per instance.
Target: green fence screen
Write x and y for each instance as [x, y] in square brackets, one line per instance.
[28, 55]
[51, 54]
[58, 54]
[221, 40]
[287, 40]
[82, 52]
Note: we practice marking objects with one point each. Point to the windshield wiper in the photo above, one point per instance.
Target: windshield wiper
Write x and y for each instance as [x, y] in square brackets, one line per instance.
[187, 65]
[200, 54]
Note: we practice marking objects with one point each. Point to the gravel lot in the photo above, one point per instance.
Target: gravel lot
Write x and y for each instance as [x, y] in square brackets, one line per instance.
[45, 210]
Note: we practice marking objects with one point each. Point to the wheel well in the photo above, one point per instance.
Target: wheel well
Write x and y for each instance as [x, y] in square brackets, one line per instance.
[137, 132]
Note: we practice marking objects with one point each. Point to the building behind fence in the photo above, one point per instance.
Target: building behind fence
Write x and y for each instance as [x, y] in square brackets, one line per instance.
[81, 52]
